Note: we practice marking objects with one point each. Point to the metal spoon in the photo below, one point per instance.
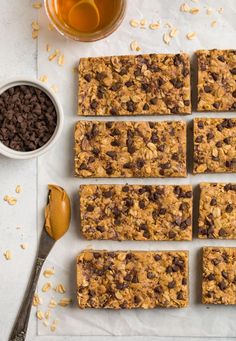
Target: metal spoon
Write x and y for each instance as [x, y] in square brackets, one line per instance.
[58, 204]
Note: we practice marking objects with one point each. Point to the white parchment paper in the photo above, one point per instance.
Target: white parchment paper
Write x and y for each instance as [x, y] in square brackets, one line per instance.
[57, 167]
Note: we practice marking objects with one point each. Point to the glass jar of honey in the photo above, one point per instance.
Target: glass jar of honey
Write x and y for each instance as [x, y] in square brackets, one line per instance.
[85, 20]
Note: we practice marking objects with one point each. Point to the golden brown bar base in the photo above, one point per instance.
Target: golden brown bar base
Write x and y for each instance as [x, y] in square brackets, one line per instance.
[132, 279]
[219, 275]
[134, 212]
[130, 149]
[217, 211]
[214, 145]
[216, 80]
[151, 84]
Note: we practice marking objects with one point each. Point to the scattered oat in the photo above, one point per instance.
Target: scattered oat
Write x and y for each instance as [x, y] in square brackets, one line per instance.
[49, 272]
[10, 200]
[135, 46]
[166, 38]
[37, 5]
[35, 34]
[194, 10]
[195, 0]
[61, 59]
[52, 303]
[54, 88]
[65, 301]
[54, 325]
[39, 315]
[47, 314]
[155, 25]
[220, 10]
[35, 25]
[143, 23]
[184, 8]
[24, 246]
[18, 189]
[47, 286]
[191, 35]
[50, 27]
[43, 78]
[37, 300]
[168, 25]
[60, 289]
[173, 32]
[214, 23]
[8, 255]
[53, 55]
[134, 23]
[209, 11]
[46, 323]
[48, 48]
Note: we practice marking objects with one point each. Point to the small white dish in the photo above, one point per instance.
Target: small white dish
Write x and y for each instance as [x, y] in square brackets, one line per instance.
[14, 154]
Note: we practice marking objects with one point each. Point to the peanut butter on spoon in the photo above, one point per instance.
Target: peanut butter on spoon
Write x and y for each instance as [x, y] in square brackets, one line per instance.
[57, 212]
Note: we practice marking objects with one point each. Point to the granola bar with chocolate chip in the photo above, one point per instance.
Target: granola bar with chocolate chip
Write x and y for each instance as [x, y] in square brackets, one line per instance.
[132, 279]
[219, 275]
[130, 149]
[216, 80]
[150, 84]
[214, 145]
[134, 212]
[217, 211]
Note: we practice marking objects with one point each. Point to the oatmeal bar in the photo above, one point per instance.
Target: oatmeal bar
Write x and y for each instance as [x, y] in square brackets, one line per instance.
[217, 211]
[219, 275]
[136, 212]
[216, 80]
[132, 279]
[130, 149]
[214, 145]
[151, 84]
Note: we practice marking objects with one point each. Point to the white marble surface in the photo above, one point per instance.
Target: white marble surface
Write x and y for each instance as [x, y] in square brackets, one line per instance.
[19, 57]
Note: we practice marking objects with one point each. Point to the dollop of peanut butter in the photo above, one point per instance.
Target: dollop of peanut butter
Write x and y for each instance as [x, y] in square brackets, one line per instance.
[57, 212]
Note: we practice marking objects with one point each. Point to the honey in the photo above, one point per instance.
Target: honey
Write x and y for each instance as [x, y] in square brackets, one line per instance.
[86, 16]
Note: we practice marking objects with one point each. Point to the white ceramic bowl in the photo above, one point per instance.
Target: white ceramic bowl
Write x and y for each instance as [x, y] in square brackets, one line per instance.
[14, 154]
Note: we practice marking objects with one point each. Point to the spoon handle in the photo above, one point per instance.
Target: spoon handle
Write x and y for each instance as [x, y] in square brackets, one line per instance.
[20, 327]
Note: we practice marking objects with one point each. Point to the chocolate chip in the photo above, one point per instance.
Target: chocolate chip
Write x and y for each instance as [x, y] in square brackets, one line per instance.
[130, 106]
[221, 58]
[109, 170]
[90, 208]
[207, 89]
[88, 77]
[100, 228]
[199, 139]
[216, 105]
[157, 257]
[224, 274]
[233, 71]
[140, 163]
[200, 124]
[128, 278]
[169, 269]
[184, 281]
[222, 285]
[213, 202]
[154, 137]
[100, 76]
[215, 76]
[150, 275]
[146, 234]
[112, 154]
[180, 296]
[146, 106]
[129, 83]
[115, 143]
[219, 144]
[115, 86]
[129, 202]
[210, 136]
[178, 59]
[107, 194]
[177, 83]
[142, 204]
[94, 104]
[158, 289]
[222, 232]
[153, 100]
[211, 277]
[171, 234]
[215, 261]
[172, 284]
[114, 111]
[186, 102]
[125, 189]
[229, 208]
[128, 165]
[234, 93]
[123, 71]
[184, 206]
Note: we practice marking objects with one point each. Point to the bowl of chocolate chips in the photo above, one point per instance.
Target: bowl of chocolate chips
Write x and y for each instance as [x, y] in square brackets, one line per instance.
[31, 119]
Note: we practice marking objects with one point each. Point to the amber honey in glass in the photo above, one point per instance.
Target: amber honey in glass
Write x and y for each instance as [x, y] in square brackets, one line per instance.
[86, 20]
